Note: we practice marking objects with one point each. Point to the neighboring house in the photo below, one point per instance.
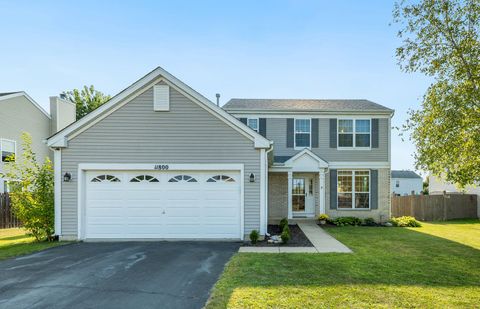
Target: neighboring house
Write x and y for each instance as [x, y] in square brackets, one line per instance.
[159, 160]
[20, 113]
[438, 186]
[406, 182]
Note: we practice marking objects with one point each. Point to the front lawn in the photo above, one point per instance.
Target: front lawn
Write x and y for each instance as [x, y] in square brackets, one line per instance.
[14, 242]
[435, 266]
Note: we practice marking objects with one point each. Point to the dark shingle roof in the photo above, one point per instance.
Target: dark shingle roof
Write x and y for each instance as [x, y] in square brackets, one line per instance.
[405, 174]
[7, 93]
[281, 159]
[304, 105]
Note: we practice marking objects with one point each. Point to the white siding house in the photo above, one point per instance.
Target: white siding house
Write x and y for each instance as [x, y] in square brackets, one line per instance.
[406, 182]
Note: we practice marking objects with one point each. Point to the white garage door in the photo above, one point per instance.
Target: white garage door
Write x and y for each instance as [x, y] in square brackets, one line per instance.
[177, 205]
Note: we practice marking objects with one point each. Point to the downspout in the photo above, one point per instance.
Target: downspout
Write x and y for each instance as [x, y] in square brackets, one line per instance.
[266, 186]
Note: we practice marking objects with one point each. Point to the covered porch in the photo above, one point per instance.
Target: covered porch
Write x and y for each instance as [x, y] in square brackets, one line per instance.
[297, 187]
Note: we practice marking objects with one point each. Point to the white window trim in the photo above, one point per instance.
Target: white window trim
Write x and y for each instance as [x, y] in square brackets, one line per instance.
[258, 123]
[353, 119]
[295, 133]
[8, 140]
[353, 190]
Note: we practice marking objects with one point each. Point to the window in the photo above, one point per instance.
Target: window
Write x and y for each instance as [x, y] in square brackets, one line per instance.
[397, 183]
[105, 178]
[7, 150]
[302, 133]
[253, 123]
[353, 189]
[221, 178]
[354, 133]
[182, 178]
[144, 178]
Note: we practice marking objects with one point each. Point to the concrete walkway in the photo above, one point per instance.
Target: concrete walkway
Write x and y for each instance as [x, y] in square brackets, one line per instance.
[322, 242]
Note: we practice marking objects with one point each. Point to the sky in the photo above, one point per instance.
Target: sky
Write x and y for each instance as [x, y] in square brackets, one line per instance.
[240, 49]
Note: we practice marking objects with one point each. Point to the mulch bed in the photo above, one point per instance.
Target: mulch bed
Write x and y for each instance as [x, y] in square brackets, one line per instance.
[298, 238]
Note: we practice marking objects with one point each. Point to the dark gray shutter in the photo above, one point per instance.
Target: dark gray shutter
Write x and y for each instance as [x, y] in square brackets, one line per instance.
[244, 120]
[333, 189]
[314, 133]
[333, 133]
[375, 133]
[290, 124]
[373, 189]
[262, 127]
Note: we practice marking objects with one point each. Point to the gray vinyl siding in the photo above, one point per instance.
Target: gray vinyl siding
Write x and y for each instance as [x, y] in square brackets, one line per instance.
[277, 132]
[136, 134]
[18, 115]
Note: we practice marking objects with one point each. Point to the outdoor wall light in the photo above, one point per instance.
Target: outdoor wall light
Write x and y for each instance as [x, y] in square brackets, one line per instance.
[67, 177]
[252, 177]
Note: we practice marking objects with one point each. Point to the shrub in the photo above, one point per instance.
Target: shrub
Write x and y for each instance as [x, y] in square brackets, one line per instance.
[283, 223]
[405, 221]
[323, 217]
[345, 221]
[285, 236]
[32, 193]
[254, 235]
[369, 222]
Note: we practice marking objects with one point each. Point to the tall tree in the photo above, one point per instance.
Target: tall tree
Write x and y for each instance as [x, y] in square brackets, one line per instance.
[440, 38]
[87, 99]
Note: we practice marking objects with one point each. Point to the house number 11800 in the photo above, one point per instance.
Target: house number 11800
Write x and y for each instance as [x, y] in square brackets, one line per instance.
[161, 167]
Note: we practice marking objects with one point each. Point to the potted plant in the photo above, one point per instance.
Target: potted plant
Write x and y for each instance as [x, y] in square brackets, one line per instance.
[323, 218]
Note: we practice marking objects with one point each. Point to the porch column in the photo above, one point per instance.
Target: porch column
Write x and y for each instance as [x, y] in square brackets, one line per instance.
[290, 177]
[321, 188]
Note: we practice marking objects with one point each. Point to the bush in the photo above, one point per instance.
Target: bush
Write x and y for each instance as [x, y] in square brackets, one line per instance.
[32, 193]
[369, 222]
[283, 223]
[254, 235]
[285, 236]
[345, 221]
[323, 217]
[405, 221]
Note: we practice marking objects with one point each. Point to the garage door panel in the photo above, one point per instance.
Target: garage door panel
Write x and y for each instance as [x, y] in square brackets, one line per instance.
[163, 209]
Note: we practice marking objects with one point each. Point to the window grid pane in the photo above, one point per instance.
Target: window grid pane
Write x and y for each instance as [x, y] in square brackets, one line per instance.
[362, 140]
[345, 140]
[302, 140]
[302, 125]
[253, 123]
[345, 126]
[362, 126]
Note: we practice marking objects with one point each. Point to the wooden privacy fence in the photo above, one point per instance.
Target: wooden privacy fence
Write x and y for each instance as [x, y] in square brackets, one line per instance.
[7, 219]
[435, 207]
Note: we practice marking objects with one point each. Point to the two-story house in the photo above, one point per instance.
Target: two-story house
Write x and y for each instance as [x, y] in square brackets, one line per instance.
[161, 161]
[329, 156]
[20, 113]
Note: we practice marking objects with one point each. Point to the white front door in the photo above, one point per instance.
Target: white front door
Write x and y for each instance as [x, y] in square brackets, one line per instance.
[303, 198]
[170, 204]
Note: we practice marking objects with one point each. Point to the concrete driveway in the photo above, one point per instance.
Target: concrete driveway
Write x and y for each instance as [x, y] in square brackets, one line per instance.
[115, 275]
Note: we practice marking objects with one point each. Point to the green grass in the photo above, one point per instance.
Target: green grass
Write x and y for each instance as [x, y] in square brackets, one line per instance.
[435, 266]
[14, 242]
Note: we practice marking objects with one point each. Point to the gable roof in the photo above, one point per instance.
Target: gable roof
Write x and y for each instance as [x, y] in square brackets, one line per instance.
[9, 95]
[405, 174]
[304, 105]
[60, 138]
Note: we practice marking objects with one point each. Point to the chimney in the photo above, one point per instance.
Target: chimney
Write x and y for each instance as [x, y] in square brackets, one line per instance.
[63, 112]
[218, 99]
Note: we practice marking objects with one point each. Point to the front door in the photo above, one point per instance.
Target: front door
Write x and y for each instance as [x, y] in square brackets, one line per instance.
[302, 196]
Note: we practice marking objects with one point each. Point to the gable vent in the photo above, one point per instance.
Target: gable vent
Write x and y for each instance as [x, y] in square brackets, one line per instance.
[161, 98]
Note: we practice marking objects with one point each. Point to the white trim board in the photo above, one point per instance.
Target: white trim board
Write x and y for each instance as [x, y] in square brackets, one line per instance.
[336, 114]
[154, 76]
[23, 93]
[84, 167]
